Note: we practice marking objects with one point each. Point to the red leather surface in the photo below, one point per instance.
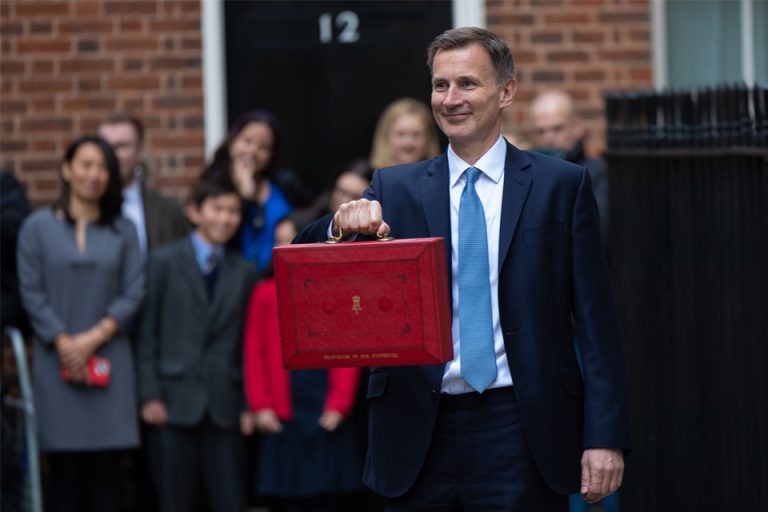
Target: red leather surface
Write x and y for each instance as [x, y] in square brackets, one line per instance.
[363, 304]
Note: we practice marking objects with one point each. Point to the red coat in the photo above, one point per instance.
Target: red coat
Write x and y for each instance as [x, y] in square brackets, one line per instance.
[267, 383]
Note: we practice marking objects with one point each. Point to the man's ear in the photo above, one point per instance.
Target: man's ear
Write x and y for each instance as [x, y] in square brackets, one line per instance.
[508, 93]
[193, 212]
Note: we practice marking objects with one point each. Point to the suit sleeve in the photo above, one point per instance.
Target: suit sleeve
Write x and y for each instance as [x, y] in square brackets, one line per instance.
[606, 419]
[148, 350]
[30, 253]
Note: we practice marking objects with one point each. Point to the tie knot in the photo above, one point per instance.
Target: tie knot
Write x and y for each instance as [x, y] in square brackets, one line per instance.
[472, 174]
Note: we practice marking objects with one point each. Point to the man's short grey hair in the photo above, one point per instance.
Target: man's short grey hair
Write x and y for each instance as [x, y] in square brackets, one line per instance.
[497, 49]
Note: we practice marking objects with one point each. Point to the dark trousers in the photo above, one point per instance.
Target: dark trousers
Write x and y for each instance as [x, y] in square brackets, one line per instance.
[479, 460]
[204, 454]
[83, 481]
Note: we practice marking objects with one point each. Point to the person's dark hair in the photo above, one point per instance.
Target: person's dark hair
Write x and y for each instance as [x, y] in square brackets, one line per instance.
[497, 49]
[212, 186]
[358, 167]
[126, 118]
[222, 160]
[111, 203]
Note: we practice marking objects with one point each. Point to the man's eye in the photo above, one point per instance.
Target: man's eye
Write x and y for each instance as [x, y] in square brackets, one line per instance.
[439, 87]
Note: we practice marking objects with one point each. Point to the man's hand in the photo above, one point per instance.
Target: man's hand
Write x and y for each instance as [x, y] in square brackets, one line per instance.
[602, 471]
[361, 216]
[154, 412]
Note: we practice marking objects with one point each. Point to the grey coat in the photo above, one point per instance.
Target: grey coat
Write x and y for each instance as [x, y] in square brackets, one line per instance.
[190, 346]
[66, 291]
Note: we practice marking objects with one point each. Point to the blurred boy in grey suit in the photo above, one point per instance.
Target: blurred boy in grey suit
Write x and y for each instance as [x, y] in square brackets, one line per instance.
[190, 354]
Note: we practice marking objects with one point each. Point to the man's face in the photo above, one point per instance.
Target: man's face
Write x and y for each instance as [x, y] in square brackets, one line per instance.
[466, 101]
[553, 127]
[125, 143]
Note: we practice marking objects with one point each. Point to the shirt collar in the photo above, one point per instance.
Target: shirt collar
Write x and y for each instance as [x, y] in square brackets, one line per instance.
[133, 191]
[203, 250]
[491, 163]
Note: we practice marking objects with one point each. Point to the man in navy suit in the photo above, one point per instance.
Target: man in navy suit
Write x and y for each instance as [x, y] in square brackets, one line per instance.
[512, 423]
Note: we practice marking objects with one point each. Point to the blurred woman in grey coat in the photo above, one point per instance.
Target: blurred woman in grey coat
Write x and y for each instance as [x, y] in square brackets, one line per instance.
[81, 279]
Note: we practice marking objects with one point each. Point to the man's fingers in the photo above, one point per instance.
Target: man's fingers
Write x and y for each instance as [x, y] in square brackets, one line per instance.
[584, 478]
[383, 230]
[361, 216]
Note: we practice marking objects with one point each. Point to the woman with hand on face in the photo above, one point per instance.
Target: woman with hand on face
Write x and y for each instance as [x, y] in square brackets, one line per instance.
[404, 134]
[248, 157]
[81, 277]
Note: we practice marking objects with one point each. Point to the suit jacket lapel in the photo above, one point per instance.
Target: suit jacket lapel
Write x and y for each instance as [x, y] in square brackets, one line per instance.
[225, 284]
[435, 201]
[192, 273]
[516, 186]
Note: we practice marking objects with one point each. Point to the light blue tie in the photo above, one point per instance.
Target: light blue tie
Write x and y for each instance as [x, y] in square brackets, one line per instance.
[478, 358]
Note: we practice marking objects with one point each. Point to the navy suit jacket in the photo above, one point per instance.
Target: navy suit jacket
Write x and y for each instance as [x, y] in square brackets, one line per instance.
[553, 278]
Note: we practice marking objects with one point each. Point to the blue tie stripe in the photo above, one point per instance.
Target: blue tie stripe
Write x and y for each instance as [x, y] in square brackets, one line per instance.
[478, 357]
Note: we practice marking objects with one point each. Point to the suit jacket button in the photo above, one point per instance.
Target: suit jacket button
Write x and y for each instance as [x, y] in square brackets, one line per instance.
[434, 394]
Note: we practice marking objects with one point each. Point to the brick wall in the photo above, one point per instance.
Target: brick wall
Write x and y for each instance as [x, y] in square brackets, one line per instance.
[582, 46]
[65, 64]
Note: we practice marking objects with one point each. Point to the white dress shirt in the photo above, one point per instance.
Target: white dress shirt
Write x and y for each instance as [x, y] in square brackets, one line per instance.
[133, 209]
[490, 189]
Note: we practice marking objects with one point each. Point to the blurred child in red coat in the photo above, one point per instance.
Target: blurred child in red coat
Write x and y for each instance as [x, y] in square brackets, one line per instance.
[308, 454]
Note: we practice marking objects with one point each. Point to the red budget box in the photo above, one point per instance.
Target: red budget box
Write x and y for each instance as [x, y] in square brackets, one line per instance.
[363, 303]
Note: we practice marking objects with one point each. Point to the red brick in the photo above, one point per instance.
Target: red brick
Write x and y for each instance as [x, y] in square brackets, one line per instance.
[179, 142]
[194, 123]
[121, 7]
[567, 56]
[190, 7]
[641, 74]
[131, 25]
[87, 8]
[192, 82]
[566, 18]
[46, 46]
[132, 104]
[38, 8]
[45, 85]
[83, 64]
[511, 19]
[11, 29]
[35, 165]
[41, 27]
[588, 37]
[11, 66]
[621, 17]
[177, 102]
[12, 107]
[13, 146]
[133, 64]
[166, 63]
[624, 55]
[46, 104]
[640, 36]
[87, 46]
[586, 75]
[193, 43]
[45, 144]
[172, 25]
[134, 83]
[138, 44]
[89, 103]
[547, 37]
[548, 76]
[89, 84]
[86, 27]
[43, 66]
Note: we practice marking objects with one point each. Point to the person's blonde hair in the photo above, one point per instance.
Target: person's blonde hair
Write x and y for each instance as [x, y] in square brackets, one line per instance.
[381, 152]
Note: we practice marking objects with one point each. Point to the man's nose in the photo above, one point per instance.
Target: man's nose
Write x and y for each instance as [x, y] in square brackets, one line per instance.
[452, 97]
